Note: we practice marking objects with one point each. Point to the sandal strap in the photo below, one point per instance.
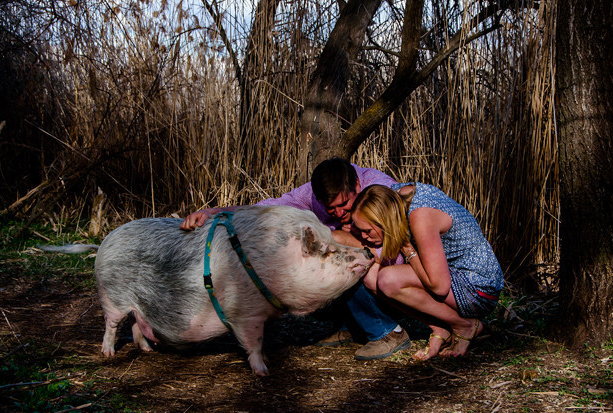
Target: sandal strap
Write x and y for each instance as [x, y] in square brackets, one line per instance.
[444, 340]
[474, 333]
[458, 336]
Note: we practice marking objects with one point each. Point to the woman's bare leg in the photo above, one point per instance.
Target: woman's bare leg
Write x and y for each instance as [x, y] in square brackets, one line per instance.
[400, 283]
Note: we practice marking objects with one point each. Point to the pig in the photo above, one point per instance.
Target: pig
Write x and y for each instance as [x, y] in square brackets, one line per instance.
[153, 269]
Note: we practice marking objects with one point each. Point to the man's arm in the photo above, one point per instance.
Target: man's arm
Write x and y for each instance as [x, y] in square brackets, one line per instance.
[298, 198]
[346, 238]
[198, 218]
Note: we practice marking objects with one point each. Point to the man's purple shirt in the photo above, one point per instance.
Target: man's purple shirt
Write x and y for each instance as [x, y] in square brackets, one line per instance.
[303, 197]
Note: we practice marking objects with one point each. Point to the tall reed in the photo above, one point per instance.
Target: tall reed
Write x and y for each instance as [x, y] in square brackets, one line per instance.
[150, 110]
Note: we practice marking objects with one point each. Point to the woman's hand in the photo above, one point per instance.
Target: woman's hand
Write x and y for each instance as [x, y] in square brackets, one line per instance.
[370, 279]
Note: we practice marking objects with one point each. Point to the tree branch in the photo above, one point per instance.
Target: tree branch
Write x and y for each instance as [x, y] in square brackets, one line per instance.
[225, 39]
[406, 80]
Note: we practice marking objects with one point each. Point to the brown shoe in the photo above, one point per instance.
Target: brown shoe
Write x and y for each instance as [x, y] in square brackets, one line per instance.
[336, 339]
[388, 345]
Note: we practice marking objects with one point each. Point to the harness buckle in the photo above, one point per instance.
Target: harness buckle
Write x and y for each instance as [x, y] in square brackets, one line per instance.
[234, 242]
[208, 282]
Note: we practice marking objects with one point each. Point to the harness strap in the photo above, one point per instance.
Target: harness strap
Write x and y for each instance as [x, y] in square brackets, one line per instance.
[208, 282]
[225, 218]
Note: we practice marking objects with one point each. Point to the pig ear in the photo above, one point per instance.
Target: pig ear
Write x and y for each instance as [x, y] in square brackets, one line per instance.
[310, 244]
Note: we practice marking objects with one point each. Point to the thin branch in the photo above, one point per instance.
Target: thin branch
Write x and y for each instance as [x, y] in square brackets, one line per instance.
[406, 81]
[225, 39]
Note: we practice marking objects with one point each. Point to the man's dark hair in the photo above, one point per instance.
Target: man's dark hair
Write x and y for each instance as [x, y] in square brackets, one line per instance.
[331, 177]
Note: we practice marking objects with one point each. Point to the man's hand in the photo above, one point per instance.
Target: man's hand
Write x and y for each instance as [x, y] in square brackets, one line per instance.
[198, 218]
[346, 227]
[195, 219]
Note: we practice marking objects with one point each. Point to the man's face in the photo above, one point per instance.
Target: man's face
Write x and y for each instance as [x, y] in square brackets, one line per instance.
[340, 207]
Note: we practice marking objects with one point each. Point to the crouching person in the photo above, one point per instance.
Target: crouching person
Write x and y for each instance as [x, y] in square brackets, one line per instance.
[451, 278]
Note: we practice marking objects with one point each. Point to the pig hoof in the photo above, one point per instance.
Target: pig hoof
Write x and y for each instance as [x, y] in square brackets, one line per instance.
[258, 366]
[108, 352]
[261, 373]
[141, 341]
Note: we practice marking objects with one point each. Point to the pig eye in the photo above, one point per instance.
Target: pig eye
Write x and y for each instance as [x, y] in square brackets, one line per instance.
[328, 251]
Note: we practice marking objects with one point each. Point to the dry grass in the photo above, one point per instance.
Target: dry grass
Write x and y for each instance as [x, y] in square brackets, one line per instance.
[148, 108]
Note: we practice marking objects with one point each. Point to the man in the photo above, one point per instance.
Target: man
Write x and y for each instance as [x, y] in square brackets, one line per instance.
[334, 185]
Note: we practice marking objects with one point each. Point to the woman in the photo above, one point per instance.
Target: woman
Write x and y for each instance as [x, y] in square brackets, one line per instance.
[451, 277]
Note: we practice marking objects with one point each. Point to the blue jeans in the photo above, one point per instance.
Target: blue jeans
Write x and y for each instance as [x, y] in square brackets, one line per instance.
[368, 316]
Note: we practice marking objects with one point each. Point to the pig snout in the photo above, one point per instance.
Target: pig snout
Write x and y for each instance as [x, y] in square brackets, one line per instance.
[368, 254]
[362, 262]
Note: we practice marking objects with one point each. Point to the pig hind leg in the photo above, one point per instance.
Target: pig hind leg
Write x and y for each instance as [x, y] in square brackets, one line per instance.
[139, 338]
[140, 330]
[112, 319]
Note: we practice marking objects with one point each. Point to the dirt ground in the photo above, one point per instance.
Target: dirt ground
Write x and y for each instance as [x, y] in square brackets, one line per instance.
[51, 333]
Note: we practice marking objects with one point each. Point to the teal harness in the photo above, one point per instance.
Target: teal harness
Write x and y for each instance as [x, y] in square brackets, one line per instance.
[225, 219]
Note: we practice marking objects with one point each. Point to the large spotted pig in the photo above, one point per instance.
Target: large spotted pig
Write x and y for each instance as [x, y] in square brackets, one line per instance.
[153, 269]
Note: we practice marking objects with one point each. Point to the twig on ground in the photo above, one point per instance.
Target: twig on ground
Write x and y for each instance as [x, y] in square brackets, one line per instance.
[15, 385]
[31, 384]
[72, 409]
[10, 326]
[15, 350]
[504, 383]
[449, 373]
[124, 373]
[497, 403]
[41, 236]
[520, 334]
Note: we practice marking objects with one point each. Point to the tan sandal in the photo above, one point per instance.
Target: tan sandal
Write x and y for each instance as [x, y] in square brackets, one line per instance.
[457, 337]
[444, 343]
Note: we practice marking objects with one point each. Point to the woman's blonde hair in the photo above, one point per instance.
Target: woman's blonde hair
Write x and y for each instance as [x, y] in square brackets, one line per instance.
[385, 208]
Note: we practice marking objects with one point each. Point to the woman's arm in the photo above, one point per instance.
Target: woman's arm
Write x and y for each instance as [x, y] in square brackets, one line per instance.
[427, 225]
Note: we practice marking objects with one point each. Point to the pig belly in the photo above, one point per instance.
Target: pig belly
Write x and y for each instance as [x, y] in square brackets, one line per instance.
[204, 326]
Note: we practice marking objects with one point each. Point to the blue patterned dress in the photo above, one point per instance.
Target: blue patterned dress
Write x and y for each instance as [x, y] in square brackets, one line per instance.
[476, 276]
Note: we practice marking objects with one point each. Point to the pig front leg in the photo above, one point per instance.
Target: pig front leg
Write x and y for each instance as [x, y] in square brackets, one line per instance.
[250, 334]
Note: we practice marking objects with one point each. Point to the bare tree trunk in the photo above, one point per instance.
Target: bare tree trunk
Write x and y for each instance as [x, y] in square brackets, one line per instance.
[320, 126]
[584, 82]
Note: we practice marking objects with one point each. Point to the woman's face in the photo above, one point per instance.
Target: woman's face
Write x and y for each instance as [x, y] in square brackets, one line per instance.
[370, 232]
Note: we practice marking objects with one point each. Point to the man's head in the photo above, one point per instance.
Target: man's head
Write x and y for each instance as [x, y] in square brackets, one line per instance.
[335, 184]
